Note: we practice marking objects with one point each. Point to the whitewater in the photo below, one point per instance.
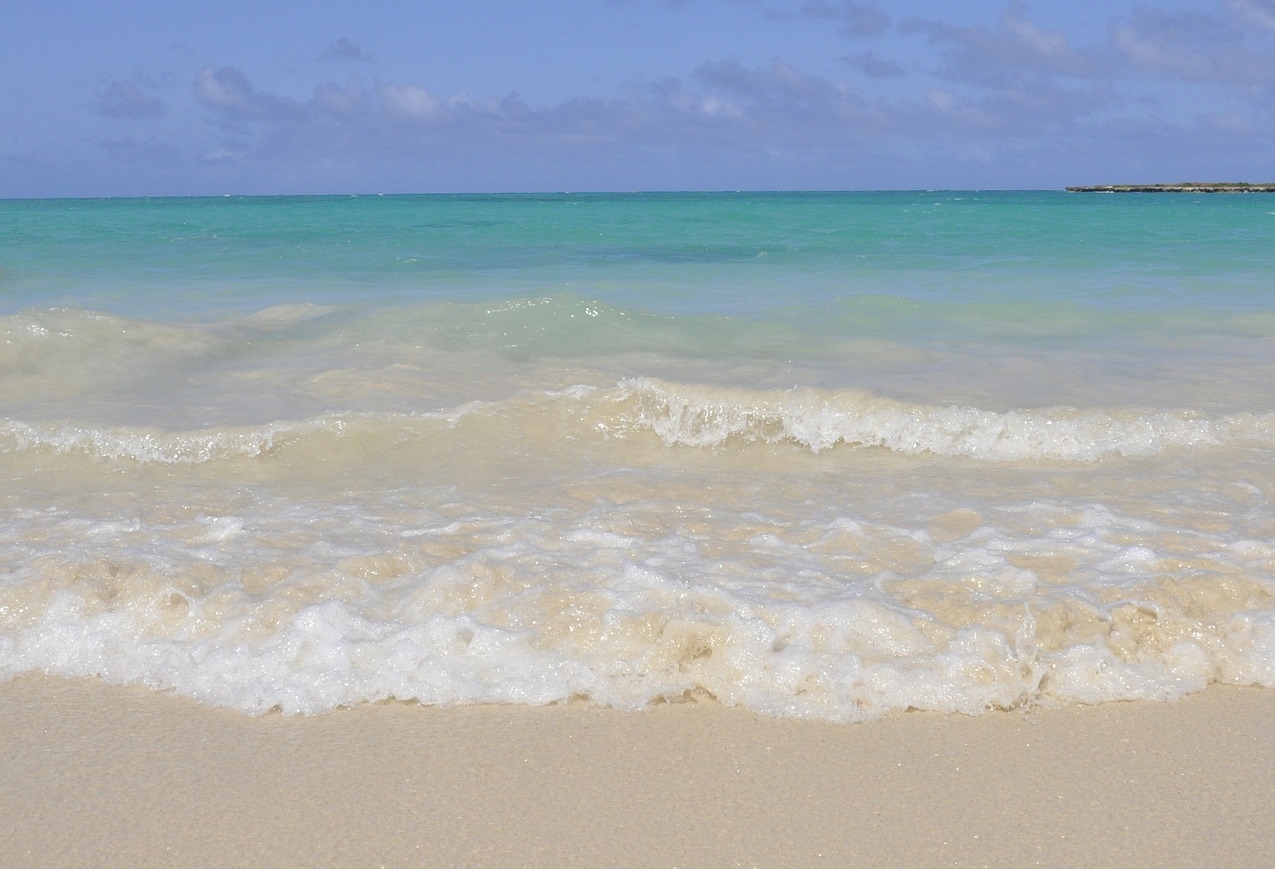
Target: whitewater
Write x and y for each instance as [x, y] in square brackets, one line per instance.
[816, 455]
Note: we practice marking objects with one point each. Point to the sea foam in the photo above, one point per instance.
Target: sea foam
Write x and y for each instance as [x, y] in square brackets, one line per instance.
[699, 416]
[946, 452]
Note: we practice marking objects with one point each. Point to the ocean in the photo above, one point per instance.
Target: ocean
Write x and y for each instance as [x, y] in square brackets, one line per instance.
[817, 455]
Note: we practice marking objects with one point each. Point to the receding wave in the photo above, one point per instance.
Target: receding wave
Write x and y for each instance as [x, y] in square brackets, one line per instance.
[307, 606]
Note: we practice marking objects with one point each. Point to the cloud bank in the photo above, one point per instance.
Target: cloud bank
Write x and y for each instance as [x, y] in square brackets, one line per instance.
[1007, 102]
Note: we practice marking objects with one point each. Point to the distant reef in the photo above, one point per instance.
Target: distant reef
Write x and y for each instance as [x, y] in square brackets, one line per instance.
[1185, 187]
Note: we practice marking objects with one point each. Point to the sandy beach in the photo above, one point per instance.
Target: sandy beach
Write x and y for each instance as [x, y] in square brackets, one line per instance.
[97, 775]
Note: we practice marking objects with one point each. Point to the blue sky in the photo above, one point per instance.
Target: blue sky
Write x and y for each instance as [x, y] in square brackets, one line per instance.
[138, 97]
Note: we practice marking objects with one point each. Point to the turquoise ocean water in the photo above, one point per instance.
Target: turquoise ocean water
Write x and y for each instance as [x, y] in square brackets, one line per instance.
[820, 455]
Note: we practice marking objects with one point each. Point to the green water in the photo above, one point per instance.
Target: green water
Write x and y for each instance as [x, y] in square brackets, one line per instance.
[817, 455]
[682, 253]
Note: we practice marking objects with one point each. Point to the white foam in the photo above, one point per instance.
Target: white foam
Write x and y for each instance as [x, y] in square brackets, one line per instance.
[561, 545]
[819, 420]
[305, 607]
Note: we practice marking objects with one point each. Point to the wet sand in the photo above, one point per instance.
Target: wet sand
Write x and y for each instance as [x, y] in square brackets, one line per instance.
[92, 775]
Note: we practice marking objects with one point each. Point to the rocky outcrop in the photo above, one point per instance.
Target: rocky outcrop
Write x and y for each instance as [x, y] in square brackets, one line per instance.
[1187, 187]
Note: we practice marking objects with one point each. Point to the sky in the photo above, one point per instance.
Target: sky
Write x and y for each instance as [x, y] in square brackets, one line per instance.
[148, 98]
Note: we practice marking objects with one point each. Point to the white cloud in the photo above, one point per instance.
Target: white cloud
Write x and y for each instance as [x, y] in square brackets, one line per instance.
[125, 100]
[1259, 12]
[346, 102]
[1196, 47]
[857, 19]
[1042, 44]
[1229, 123]
[410, 103]
[1007, 95]
[148, 152]
[1011, 49]
[223, 88]
[868, 63]
[236, 103]
[344, 49]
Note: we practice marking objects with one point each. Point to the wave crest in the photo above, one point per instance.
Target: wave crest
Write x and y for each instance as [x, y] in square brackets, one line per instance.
[679, 415]
[821, 419]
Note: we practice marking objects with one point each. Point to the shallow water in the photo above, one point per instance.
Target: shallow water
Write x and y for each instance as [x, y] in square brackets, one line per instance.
[819, 455]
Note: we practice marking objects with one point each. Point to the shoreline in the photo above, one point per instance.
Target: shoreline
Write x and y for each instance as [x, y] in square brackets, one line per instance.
[125, 776]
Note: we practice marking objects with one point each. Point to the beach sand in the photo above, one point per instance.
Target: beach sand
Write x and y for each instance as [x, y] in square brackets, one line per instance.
[95, 775]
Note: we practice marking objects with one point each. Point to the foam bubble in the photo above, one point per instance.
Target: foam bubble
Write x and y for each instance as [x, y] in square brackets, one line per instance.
[629, 601]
